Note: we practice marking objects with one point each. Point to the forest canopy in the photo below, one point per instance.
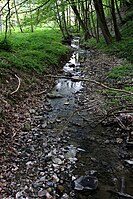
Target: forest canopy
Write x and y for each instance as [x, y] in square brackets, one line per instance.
[89, 17]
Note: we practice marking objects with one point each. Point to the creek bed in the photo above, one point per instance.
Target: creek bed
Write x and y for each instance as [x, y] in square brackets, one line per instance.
[66, 141]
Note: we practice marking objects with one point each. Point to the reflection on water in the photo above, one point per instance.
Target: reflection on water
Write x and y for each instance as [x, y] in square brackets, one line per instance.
[75, 43]
[75, 59]
[71, 68]
[67, 86]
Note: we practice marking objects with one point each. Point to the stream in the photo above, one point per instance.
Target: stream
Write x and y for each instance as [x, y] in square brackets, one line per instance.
[68, 153]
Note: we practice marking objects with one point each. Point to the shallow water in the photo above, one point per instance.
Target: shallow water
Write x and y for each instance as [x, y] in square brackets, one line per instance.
[97, 156]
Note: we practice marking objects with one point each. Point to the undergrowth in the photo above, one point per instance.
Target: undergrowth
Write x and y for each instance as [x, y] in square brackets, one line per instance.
[36, 50]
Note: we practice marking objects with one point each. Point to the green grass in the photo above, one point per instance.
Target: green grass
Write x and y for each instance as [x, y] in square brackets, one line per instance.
[121, 71]
[36, 50]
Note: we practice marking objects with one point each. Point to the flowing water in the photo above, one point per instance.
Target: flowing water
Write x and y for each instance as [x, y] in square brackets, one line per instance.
[75, 109]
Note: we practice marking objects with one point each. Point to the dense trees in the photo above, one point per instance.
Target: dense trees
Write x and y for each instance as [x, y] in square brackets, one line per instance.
[87, 16]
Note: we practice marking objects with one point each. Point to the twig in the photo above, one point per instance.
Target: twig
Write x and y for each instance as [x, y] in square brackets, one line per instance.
[120, 194]
[40, 93]
[19, 82]
[92, 81]
[121, 124]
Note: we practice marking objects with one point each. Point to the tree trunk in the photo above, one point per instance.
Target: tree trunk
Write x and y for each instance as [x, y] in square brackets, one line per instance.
[116, 29]
[7, 18]
[118, 11]
[59, 20]
[102, 21]
[81, 22]
[18, 21]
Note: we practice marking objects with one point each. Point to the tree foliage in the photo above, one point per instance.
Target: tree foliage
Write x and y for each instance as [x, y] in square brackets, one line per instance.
[89, 17]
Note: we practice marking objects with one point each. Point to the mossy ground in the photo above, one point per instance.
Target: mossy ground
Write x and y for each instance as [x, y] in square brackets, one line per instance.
[35, 51]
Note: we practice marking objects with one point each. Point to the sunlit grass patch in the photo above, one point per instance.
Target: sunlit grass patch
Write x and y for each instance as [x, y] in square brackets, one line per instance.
[36, 50]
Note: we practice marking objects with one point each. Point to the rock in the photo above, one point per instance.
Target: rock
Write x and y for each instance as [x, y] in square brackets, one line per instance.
[71, 153]
[86, 183]
[106, 142]
[48, 196]
[29, 164]
[66, 103]
[119, 140]
[42, 193]
[65, 196]
[50, 184]
[55, 178]
[57, 160]
[130, 162]
[44, 125]
[19, 194]
[32, 111]
[60, 188]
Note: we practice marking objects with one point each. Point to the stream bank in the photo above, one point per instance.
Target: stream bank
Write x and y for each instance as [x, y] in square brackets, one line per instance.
[66, 142]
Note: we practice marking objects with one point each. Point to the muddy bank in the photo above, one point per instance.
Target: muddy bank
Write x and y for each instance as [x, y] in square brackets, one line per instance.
[63, 140]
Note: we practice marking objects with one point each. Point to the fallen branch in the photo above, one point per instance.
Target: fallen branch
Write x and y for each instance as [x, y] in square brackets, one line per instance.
[120, 194]
[19, 82]
[40, 93]
[92, 81]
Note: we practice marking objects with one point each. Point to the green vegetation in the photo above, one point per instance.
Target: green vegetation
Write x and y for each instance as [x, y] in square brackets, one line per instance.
[36, 50]
[121, 71]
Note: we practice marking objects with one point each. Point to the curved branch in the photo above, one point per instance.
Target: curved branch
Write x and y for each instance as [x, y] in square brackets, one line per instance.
[19, 82]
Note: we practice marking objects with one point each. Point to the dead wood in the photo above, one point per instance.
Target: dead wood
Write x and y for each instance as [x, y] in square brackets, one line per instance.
[19, 83]
[120, 194]
[92, 81]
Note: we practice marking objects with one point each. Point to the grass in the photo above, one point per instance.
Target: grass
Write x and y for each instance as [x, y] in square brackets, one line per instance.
[121, 71]
[36, 50]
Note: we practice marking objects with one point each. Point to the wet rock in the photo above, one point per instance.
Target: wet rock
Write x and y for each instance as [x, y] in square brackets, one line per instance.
[65, 196]
[66, 103]
[86, 183]
[130, 162]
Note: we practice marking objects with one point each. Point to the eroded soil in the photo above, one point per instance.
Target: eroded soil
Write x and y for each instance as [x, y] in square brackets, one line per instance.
[57, 136]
